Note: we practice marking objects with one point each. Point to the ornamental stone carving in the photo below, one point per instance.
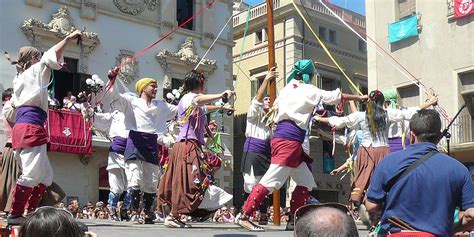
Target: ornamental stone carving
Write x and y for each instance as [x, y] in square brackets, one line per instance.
[129, 72]
[60, 26]
[177, 64]
[135, 7]
[186, 54]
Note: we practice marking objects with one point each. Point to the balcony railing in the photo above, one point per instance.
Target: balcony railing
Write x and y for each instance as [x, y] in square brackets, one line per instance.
[315, 5]
[461, 131]
[255, 12]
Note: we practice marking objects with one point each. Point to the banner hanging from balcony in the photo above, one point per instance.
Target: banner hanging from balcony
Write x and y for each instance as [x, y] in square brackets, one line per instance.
[69, 133]
[463, 8]
[403, 29]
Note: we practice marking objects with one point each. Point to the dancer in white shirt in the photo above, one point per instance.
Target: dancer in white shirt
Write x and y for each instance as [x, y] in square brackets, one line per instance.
[295, 104]
[257, 152]
[114, 124]
[30, 97]
[145, 118]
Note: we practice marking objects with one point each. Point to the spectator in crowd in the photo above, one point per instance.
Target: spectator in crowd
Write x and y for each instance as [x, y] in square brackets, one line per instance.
[69, 102]
[330, 219]
[227, 216]
[88, 212]
[73, 207]
[217, 215]
[426, 196]
[52, 222]
[100, 214]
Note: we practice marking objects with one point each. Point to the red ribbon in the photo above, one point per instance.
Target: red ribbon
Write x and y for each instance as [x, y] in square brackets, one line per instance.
[114, 72]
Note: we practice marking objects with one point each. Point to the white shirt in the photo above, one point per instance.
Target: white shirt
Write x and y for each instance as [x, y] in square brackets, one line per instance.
[297, 100]
[396, 129]
[143, 118]
[358, 121]
[113, 123]
[255, 127]
[30, 88]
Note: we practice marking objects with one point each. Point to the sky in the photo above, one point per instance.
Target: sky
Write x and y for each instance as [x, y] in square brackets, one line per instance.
[353, 5]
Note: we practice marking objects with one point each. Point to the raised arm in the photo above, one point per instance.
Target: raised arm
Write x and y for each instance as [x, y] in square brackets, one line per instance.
[432, 101]
[213, 108]
[59, 47]
[272, 74]
[204, 99]
[355, 97]
[351, 121]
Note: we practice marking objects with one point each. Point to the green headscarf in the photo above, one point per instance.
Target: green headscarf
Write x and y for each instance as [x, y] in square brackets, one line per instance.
[305, 68]
[391, 96]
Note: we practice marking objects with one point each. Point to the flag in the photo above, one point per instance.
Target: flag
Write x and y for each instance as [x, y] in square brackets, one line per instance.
[403, 29]
[69, 133]
[463, 8]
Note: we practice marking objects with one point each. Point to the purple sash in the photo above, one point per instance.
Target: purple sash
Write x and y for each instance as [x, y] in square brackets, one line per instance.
[118, 145]
[142, 146]
[142, 141]
[256, 145]
[288, 130]
[31, 115]
[396, 144]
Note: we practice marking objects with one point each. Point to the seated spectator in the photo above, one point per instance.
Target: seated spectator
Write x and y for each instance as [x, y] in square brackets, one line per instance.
[217, 215]
[52, 222]
[329, 219]
[53, 103]
[425, 197]
[69, 102]
[226, 216]
[73, 207]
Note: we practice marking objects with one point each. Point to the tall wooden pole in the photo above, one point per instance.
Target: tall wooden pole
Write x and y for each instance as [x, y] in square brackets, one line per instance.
[271, 63]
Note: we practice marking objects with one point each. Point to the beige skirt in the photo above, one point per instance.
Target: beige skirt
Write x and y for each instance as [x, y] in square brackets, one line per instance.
[367, 159]
[11, 171]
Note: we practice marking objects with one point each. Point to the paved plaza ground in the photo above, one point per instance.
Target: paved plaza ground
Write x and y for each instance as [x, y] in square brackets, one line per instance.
[106, 228]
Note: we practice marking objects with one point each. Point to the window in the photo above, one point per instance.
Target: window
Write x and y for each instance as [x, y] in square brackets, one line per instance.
[258, 37]
[329, 84]
[362, 46]
[185, 10]
[67, 81]
[176, 83]
[255, 84]
[466, 118]
[467, 81]
[406, 8]
[322, 33]
[409, 96]
[332, 37]
[70, 65]
[264, 34]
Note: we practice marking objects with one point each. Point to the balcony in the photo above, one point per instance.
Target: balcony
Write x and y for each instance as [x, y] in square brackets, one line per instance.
[261, 10]
[461, 133]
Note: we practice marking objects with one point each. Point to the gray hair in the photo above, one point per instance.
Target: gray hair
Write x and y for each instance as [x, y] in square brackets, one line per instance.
[326, 222]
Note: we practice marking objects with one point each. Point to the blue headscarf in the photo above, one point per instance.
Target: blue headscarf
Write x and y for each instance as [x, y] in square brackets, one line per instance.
[305, 68]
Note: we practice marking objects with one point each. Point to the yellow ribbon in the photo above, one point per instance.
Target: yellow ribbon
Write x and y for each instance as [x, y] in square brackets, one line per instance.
[325, 48]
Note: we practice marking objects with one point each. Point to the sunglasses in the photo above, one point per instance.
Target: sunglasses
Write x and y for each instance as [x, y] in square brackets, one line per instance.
[304, 210]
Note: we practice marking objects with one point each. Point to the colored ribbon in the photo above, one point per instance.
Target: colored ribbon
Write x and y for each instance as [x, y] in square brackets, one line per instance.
[324, 47]
[394, 63]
